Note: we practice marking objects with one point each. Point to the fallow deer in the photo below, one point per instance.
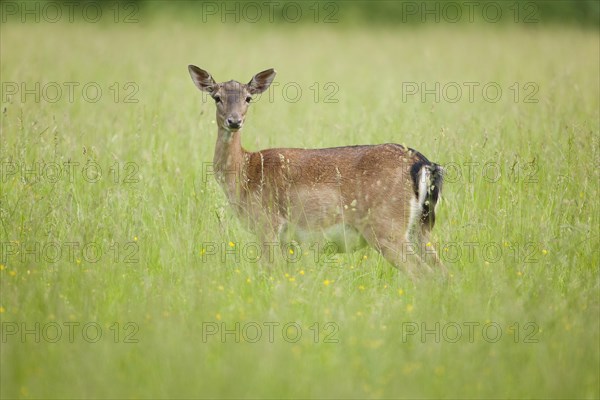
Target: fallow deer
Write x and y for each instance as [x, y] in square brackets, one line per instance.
[384, 195]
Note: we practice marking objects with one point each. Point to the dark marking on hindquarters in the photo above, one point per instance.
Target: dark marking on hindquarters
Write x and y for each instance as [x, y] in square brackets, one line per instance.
[434, 190]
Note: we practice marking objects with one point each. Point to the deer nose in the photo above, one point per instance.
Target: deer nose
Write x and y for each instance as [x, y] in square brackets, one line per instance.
[234, 122]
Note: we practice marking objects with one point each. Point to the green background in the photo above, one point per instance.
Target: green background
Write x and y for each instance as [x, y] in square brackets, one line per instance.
[158, 260]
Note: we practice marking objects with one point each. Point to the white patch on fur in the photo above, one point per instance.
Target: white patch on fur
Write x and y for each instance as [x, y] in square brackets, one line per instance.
[424, 183]
[416, 204]
[415, 212]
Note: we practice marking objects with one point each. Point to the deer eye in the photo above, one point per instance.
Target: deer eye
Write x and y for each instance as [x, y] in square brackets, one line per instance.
[248, 99]
[217, 98]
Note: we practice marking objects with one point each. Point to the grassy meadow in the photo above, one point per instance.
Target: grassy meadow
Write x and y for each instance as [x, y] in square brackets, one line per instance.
[124, 273]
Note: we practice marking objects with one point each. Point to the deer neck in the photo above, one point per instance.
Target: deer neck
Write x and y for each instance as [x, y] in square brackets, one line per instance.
[230, 162]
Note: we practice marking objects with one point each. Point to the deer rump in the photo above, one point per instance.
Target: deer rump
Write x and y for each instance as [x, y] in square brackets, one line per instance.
[346, 196]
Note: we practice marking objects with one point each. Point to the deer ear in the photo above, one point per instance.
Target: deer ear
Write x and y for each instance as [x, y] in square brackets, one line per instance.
[261, 81]
[201, 78]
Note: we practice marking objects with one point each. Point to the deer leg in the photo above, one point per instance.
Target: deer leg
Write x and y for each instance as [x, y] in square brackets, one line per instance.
[428, 252]
[394, 247]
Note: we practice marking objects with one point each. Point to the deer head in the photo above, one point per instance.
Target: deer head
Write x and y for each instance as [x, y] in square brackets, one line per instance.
[232, 98]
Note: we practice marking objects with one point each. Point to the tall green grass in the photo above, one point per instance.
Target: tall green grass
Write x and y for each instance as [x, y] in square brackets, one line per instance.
[528, 236]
